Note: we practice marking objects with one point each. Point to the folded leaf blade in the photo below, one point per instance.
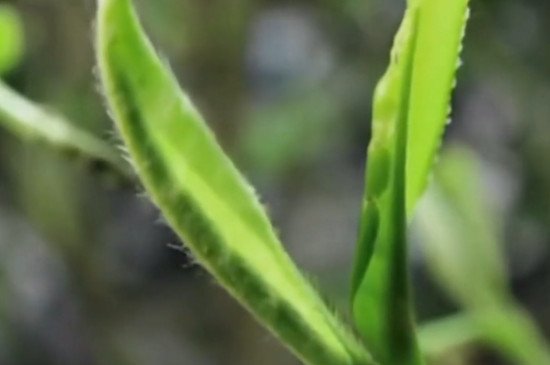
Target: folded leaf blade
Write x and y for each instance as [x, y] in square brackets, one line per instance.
[380, 283]
[411, 106]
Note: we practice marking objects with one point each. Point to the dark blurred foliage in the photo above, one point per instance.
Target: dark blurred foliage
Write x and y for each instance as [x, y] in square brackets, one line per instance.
[88, 271]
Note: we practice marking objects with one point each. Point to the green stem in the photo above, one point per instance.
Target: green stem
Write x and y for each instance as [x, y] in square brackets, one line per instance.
[30, 122]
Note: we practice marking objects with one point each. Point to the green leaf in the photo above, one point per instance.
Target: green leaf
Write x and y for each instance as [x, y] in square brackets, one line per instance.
[33, 123]
[203, 196]
[461, 243]
[12, 38]
[380, 286]
[440, 34]
[410, 110]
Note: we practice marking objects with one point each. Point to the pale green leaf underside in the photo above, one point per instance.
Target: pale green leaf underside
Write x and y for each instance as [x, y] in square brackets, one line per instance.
[11, 38]
[203, 196]
[411, 106]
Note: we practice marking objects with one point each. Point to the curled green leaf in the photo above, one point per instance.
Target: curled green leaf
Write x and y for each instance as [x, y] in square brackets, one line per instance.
[203, 196]
[380, 286]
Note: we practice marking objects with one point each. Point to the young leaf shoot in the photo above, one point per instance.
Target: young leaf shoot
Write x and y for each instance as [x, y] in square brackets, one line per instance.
[411, 106]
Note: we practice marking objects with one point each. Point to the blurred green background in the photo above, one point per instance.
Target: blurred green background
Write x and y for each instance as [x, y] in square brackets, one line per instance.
[89, 273]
